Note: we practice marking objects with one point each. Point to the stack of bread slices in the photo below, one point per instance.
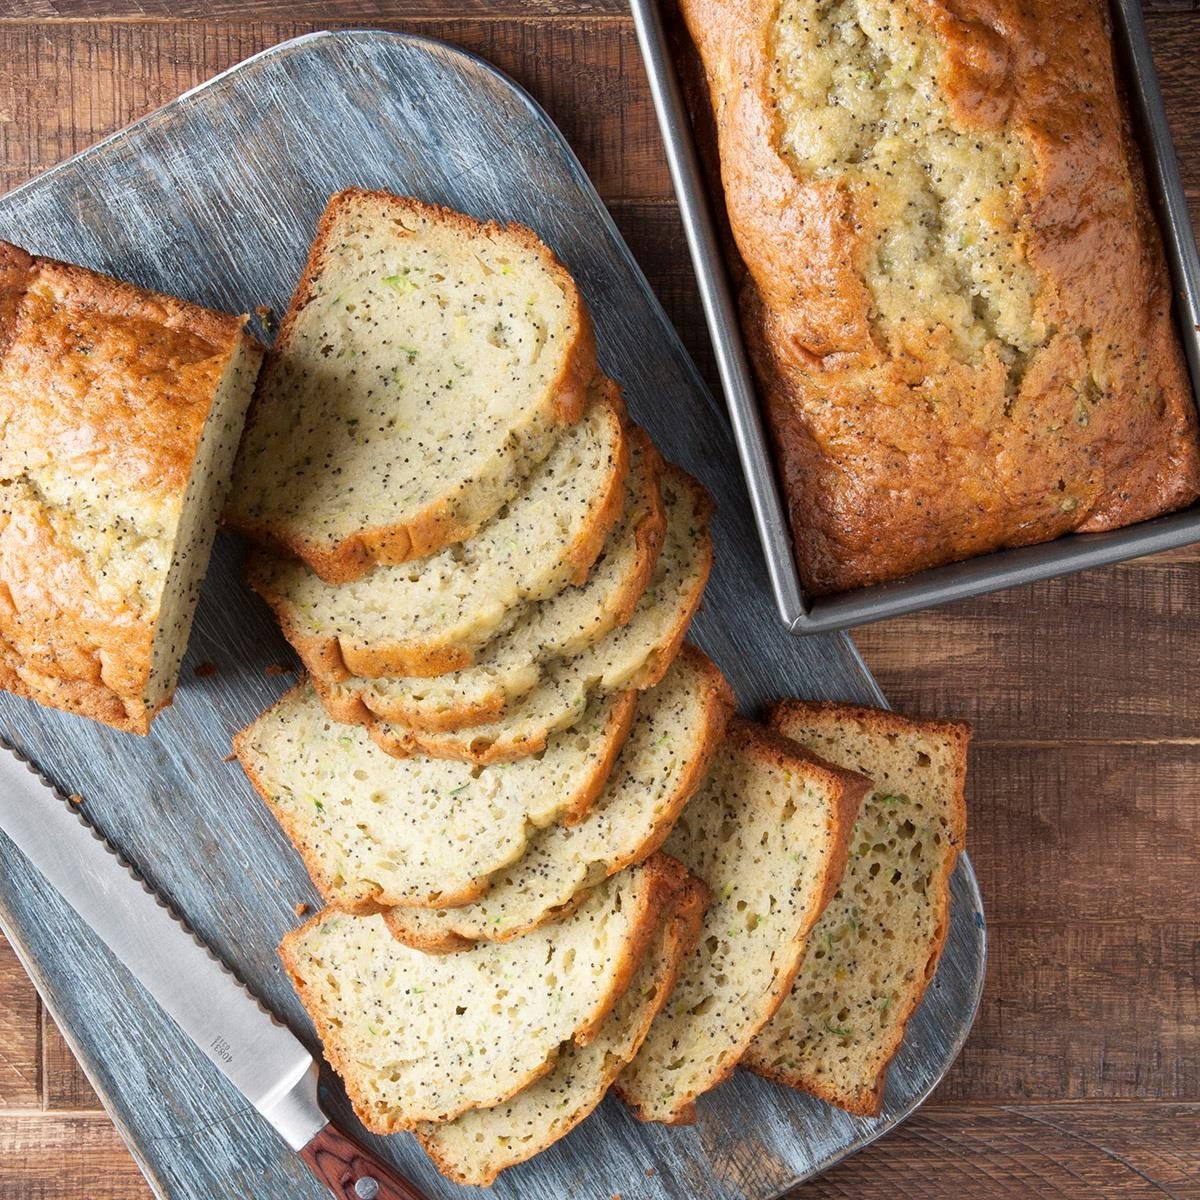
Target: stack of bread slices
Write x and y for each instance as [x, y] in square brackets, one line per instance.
[553, 862]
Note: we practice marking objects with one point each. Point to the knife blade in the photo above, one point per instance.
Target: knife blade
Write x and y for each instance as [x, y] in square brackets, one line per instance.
[259, 1055]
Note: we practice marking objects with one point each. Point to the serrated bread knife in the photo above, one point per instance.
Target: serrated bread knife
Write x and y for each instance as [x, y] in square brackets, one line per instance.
[261, 1057]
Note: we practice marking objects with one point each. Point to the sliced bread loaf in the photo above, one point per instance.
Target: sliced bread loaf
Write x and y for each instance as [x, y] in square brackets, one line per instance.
[425, 1037]
[430, 616]
[376, 831]
[877, 944]
[677, 728]
[475, 1147]
[634, 656]
[562, 625]
[768, 832]
[427, 363]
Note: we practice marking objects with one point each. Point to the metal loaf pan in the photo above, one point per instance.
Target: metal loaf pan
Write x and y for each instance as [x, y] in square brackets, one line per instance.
[986, 573]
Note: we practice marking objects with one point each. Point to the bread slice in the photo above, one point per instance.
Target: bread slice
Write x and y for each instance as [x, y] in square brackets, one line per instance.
[676, 731]
[877, 944]
[425, 1037]
[768, 832]
[120, 414]
[375, 831]
[633, 657]
[431, 616]
[426, 365]
[475, 1147]
[564, 624]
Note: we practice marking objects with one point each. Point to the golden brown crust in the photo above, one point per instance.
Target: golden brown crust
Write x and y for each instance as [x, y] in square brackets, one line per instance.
[896, 458]
[337, 659]
[868, 1101]
[106, 388]
[352, 557]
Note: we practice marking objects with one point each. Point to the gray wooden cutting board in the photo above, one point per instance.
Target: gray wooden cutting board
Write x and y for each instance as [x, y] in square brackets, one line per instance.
[215, 197]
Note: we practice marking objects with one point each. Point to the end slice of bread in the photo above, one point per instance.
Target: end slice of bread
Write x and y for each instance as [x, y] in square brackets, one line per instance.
[376, 831]
[768, 832]
[562, 625]
[425, 1037]
[427, 363]
[474, 1148]
[431, 616]
[632, 657]
[676, 731]
[877, 944]
[120, 415]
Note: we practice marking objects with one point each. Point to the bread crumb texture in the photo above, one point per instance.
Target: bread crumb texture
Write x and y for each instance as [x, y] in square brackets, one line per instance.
[420, 1037]
[121, 412]
[876, 946]
[376, 830]
[430, 615]
[676, 731]
[766, 832]
[425, 366]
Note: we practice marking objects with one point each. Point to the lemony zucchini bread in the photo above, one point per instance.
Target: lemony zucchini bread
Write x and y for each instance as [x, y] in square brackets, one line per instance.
[768, 832]
[675, 734]
[955, 294]
[425, 617]
[427, 363]
[567, 623]
[425, 1037]
[375, 830]
[877, 944]
[475, 1147]
[120, 414]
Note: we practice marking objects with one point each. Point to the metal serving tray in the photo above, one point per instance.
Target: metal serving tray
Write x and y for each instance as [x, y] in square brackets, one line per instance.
[975, 576]
[215, 198]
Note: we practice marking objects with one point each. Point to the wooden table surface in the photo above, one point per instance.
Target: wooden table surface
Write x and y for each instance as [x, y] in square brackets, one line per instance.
[1082, 1075]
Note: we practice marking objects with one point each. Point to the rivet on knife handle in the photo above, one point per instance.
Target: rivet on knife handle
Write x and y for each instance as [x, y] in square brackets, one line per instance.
[351, 1171]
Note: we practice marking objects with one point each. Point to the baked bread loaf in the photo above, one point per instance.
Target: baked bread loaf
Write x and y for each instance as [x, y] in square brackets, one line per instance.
[375, 830]
[431, 616]
[427, 363]
[676, 731]
[954, 293]
[425, 1037]
[564, 624]
[768, 832]
[634, 656]
[474, 1148]
[120, 413]
[876, 946]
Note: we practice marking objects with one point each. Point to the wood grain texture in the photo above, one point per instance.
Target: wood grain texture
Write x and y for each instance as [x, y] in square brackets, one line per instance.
[60, 1157]
[20, 1036]
[1085, 828]
[1131, 1151]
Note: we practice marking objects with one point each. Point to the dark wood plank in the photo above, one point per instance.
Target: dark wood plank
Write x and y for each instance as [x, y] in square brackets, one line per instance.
[1084, 833]
[1084, 1010]
[58, 1157]
[65, 1088]
[20, 1039]
[67, 85]
[1097, 1151]
[1107, 654]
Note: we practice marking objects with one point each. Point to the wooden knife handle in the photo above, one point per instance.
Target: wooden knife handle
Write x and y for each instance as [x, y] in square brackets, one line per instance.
[351, 1171]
